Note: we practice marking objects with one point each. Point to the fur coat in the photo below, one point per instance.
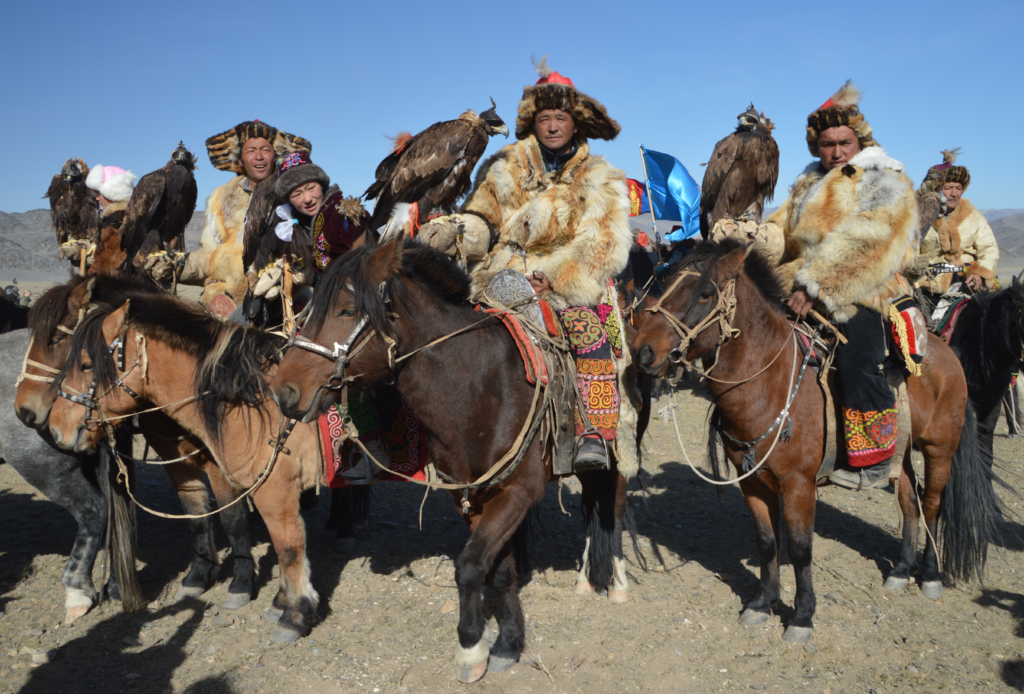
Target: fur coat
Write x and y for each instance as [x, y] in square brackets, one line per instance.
[572, 224]
[963, 236]
[849, 231]
[222, 240]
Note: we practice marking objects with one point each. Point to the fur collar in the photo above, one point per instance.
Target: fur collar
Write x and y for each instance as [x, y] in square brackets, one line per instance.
[948, 229]
[114, 208]
[873, 157]
[533, 161]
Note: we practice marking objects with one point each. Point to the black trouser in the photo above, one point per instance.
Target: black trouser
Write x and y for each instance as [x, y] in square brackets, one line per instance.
[869, 408]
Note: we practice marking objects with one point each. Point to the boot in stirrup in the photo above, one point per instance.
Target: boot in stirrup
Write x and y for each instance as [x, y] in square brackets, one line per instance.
[364, 471]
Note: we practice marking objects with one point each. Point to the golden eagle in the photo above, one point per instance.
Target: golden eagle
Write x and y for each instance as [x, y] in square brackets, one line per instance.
[160, 209]
[432, 169]
[73, 205]
[741, 173]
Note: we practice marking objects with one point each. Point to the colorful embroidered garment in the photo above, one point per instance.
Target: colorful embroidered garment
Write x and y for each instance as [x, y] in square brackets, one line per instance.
[595, 370]
[870, 436]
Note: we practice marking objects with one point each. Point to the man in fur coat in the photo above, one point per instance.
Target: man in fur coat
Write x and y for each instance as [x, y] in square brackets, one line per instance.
[548, 208]
[250, 150]
[959, 236]
[850, 225]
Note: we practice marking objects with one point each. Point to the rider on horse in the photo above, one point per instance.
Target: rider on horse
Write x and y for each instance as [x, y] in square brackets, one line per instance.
[114, 187]
[960, 236]
[850, 225]
[558, 214]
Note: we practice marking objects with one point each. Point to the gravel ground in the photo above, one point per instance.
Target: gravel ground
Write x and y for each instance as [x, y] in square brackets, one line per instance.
[388, 609]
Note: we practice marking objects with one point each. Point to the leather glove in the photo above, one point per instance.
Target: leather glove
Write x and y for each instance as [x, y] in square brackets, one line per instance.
[160, 266]
[269, 282]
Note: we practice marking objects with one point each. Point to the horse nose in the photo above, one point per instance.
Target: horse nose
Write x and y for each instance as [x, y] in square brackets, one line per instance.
[646, 355]
[27, 416]
[287, 398]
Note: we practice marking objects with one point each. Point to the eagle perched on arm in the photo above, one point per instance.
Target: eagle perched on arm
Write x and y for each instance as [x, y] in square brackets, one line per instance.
[160, 209]
[73, 205]
[741, 173]
[433, 168]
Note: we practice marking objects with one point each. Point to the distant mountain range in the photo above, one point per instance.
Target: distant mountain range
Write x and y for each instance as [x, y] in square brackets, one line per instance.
[28, 244]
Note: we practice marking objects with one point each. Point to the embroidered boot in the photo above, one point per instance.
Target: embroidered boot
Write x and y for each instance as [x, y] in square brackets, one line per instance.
[591, 455]
[365, 472]
[870, 477]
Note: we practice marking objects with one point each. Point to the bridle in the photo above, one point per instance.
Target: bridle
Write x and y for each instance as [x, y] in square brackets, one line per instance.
[88, 399]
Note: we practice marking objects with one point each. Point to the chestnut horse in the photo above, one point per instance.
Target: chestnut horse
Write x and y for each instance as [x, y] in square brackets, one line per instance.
[211, 378]
[52, 321]
[751, 384]
[471, 395]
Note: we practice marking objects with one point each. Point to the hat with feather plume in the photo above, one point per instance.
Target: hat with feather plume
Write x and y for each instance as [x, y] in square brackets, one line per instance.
[945, 172]
[842, 108]
[225, 149]
[555, 91]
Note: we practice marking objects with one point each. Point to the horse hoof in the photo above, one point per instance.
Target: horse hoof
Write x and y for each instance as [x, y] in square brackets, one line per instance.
[932, 589]
[471, 663]
[285, 635]
[345, 544]
[798, 634]
[751, 618]
[272, 614]
[498, 664]
[583, 587]
[188, 592]
[235, 601]
[74, 613]
[618, 596]
[896, 584]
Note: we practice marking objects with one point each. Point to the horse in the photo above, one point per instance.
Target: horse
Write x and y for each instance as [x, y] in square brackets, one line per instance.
[755, 353]
[476, 408]
[988, 337]
[51, 322]
[82, 484]
[12, 316]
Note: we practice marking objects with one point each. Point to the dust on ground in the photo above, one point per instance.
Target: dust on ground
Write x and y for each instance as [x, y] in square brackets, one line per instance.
[388, 609]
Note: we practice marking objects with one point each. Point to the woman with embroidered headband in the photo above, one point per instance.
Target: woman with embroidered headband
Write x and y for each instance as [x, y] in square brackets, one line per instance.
[850, 225]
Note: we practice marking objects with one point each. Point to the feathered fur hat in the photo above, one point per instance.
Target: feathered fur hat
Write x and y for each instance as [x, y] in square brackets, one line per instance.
[112, 182]
[945, 173]
[841, 109]
[554, 91]
[225, 149]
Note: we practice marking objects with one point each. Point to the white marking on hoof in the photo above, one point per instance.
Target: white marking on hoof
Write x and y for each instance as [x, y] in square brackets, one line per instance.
[932, 589]
[235, 601]
[618, 596]
[751, 618]
[798, 634]
[272, 614]
[188, 592]
[345, 544]
[583, 587]
[896, 584]
[74, 613]
[499, 664]
[471, 663]
[285, 635]
[77, 602]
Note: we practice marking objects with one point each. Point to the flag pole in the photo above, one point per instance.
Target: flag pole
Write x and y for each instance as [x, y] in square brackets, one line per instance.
[650, 200]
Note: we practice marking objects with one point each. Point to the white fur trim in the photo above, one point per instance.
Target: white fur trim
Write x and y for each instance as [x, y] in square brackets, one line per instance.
[118, 188]
[874, 157]
[95, 178]
[76, 597]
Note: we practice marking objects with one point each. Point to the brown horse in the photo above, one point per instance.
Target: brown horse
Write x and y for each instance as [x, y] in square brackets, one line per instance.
[471, 395]
[211, 378]
[748, 401]
[52, 322]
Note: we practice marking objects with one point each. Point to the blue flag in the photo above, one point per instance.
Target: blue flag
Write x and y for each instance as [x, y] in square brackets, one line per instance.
[674, 193]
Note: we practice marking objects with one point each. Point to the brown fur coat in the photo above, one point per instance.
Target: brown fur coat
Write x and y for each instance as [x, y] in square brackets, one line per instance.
[573, 224]
[222, 240]
[849, 231]
[962, 236]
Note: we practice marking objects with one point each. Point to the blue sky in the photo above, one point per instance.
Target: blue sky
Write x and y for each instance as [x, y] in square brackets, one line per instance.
[122, 83]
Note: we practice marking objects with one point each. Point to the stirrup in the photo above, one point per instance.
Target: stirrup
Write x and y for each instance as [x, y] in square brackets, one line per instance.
[365, 471]
[577, 466]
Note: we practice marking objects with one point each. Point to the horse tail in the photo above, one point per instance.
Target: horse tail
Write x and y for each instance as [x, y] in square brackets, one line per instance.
[712, 445]
[970, 510]
[600, 523]
[120, 532]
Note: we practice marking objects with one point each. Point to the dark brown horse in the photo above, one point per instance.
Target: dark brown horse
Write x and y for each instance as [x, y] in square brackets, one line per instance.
[957, 485]
[211, 378]
[52, 321]
[473, 399]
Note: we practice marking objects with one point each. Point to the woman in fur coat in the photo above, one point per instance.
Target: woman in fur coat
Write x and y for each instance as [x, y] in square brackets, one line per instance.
[850, 225]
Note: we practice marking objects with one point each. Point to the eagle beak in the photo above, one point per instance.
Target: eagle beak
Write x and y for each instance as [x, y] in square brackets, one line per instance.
[503, 129]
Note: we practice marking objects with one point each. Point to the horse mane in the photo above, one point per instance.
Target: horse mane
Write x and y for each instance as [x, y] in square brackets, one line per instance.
[756, 266]
[232, 359]
[983, 333]
[431, 269]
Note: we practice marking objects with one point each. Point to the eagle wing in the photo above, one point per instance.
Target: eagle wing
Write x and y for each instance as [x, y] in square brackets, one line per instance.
[259, 219]
[929, 207]
[180, 194]
[73, 209]
[141, 214]
[721, 163]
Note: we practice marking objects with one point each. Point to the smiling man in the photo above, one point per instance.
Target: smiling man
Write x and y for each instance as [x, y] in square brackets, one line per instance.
[250, 150]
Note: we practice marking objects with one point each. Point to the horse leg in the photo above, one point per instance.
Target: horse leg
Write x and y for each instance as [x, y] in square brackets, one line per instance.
[505, 607]
[618, 591]
[491, 532]
[235, 521]
[799, 503]
[937, 466]
[987, 431]
[278, 504]
[194, 498]
[342, 521]
[764, 508]
[899, 577]
[597, 499]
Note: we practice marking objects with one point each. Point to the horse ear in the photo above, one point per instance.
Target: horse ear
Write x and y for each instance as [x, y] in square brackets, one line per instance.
[118, 320]
[386, 260]
[82, 295]
[729, 266]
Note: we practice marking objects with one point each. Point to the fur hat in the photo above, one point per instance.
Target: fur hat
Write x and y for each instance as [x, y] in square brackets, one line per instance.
[112, 182]
[297, 169]
[553, 91]
[225, 149]
[945, 173]
[841, 109]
